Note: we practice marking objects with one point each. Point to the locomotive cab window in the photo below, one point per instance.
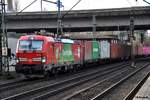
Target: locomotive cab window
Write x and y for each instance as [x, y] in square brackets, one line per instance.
[30, 45]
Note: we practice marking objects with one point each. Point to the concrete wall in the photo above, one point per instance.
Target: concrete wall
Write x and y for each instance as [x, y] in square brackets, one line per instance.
[12, 43]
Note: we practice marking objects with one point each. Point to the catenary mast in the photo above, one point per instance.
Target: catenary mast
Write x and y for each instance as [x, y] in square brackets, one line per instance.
[4, 63]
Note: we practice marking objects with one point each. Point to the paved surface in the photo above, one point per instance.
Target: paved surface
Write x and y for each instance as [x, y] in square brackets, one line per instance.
[144, 92]
[11, 68]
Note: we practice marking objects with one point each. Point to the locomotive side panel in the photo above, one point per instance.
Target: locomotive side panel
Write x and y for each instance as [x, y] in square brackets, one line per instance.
[67, 53]
[58, 47]
[77, 53]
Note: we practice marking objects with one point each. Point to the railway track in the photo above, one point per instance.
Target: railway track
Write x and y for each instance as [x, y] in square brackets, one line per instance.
[10, 83]
[87, 92]
[101, 95]
[19, 83]
[54, 93]
[133, 92]
[16, 87]
[60, 86]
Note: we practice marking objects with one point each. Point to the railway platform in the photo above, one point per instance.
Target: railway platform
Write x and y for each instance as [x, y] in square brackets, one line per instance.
[144, 92]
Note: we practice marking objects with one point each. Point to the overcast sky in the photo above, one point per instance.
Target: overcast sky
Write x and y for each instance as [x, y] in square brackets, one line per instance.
[84, 4]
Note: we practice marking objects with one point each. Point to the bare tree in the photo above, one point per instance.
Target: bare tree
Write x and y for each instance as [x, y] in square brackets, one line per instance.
[16, 5]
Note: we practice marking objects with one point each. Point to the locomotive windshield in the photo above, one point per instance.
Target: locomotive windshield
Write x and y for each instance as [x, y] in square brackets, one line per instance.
[30, 45]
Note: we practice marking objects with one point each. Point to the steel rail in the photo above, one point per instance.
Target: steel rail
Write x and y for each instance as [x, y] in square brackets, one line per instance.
[102, 94]
[30, 92]
[68, 87]
[10, 83]
[18, 84]
[133, 92]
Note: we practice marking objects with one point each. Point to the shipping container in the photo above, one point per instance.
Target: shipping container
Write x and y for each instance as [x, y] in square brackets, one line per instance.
[114, 49]
[95, 50]
[135, 49]
[121, 50]
[126, 51]
[88, 50]
[104, 49]
[82, 52]
[140, 51]
[146, 50]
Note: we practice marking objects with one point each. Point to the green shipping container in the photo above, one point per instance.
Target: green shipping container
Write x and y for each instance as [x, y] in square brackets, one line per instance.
[96, 48]
[66, 54]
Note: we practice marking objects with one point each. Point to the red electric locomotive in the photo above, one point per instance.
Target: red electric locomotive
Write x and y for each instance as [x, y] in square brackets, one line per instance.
[41, 55]
[33, 54]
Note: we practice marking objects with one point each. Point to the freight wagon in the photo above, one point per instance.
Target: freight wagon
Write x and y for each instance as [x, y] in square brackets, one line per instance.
[146, 50]
[43, 55]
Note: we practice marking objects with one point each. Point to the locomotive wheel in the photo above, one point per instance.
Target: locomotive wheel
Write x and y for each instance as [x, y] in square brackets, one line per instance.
[27, 76]
[74, 68]
[47, 74]
[54, 71]
[70, 68]
[64, 69]
[78, 67]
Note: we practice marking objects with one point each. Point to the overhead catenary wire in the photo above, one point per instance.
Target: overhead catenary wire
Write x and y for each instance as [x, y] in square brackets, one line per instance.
[46, 0]
[71, 8]
[26, 7]
[53, 2]
[146, 1]
[68, 12]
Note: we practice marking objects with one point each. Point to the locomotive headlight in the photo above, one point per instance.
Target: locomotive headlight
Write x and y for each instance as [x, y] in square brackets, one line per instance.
[17, 60]
[43, 60]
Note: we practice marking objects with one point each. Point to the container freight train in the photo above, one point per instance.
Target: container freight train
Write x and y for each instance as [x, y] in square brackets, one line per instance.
[146, 50]
[42, 55]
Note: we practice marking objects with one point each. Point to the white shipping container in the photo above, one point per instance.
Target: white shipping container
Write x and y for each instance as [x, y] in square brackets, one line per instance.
[104, 49]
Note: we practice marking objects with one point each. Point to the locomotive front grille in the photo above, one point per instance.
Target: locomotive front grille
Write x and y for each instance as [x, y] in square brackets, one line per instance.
[37, 59]
[32, 59]
[23, 59]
